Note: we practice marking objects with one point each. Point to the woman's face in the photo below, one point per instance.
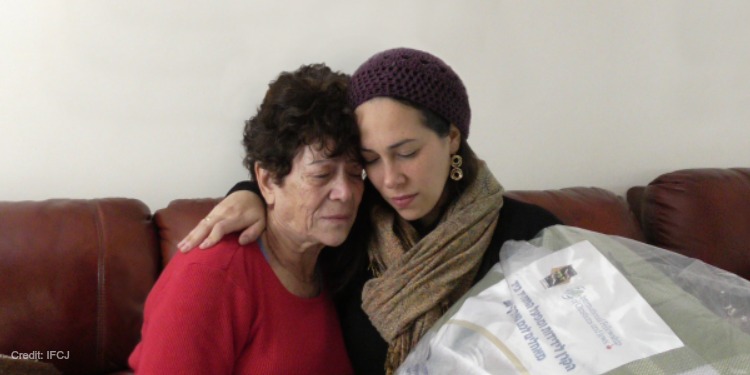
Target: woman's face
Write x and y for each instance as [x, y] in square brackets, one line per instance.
[407, 162]
[316, 203]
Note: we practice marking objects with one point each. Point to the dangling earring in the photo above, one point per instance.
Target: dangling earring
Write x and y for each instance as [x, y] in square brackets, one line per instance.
[456, 172]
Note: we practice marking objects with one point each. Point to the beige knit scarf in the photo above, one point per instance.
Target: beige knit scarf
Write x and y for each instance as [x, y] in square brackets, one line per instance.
[418, 279]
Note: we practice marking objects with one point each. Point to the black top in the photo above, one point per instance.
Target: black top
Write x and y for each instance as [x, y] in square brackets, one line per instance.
[367, 350]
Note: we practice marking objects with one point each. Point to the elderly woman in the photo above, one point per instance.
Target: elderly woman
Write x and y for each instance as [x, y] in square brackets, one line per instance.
[438, 221]
[264, 307]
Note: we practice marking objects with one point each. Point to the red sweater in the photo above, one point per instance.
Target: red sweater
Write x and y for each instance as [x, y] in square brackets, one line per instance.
[224, 311]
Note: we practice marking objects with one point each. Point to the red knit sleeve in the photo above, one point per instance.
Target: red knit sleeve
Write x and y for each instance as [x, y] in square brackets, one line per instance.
[190, 324]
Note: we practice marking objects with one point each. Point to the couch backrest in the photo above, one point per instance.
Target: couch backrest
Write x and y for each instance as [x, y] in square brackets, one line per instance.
[589, 208]
[74, 275]
[701, 213]
[585, 207]
[175, 221]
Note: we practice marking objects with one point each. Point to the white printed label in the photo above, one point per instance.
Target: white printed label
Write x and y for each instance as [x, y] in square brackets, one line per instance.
[570, 312]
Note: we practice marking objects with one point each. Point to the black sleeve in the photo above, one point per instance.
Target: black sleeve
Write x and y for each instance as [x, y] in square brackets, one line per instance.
[245, 185]
[518, 221]
[366, 348]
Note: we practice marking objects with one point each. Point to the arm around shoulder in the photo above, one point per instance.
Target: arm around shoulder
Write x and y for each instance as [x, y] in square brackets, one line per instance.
[242, 210]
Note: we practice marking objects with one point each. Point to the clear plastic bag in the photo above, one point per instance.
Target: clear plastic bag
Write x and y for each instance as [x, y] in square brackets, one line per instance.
[625, 308]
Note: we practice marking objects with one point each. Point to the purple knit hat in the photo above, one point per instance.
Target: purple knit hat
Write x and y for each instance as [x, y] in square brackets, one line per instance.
[416, 76]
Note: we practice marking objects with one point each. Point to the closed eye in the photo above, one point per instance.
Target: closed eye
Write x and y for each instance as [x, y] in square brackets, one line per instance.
[355, 172]
[409, 155]
[370, 161]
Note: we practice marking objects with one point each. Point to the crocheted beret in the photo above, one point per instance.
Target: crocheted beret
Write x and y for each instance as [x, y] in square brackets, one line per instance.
[416, 76]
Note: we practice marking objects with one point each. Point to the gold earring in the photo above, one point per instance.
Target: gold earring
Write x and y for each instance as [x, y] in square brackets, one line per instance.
[456, 172]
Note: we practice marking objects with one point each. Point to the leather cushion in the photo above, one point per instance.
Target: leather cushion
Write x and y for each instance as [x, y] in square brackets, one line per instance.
[175, 221]
[589, 208]
[701, 213]
[75, 275]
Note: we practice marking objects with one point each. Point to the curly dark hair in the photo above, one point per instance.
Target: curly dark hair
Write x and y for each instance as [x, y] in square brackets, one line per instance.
[305, 107]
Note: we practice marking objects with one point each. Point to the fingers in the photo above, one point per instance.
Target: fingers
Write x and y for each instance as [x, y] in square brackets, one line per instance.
[217, 232]
[194, 237]
[209, 232]
[241, 210]
[252, 233]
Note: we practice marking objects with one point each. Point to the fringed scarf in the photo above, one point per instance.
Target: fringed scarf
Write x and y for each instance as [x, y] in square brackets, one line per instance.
[417, 280]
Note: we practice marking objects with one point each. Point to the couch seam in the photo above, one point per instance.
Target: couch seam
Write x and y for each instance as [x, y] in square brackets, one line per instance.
[100, 287]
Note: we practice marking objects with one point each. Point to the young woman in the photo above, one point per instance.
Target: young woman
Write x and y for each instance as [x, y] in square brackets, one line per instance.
[437, 223]
[264, 308]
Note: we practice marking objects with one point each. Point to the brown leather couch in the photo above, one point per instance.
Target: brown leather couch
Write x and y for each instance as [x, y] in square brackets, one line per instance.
[74, 273]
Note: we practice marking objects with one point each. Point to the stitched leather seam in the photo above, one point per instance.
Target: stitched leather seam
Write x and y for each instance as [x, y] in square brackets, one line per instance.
[101, 276]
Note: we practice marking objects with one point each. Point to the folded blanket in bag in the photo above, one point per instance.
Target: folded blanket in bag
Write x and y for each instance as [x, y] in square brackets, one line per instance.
[572, 301]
